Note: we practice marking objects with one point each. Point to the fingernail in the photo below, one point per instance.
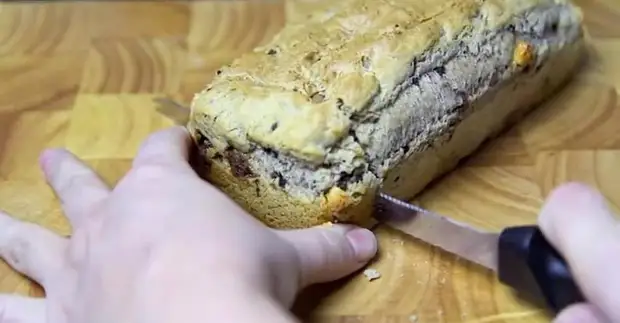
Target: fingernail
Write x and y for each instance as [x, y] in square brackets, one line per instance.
[45, 157]
[363, 242]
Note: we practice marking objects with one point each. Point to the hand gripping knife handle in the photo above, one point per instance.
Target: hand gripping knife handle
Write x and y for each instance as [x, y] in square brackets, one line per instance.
[530, 265]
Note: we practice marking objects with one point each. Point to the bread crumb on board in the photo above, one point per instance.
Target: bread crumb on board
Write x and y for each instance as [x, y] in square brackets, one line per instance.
[372, 274]
[413, 318]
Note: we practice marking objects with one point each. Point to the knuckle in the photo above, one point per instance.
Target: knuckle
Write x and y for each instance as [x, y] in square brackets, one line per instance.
[72, 181]
[77, 250]
[18, 245]
[68, 184]
[331, 248]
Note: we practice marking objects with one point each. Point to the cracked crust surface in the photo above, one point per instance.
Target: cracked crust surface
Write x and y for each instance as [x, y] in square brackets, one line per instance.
[386, 94]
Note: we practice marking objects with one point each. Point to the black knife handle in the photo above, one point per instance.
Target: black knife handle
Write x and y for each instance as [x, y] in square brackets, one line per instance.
[531, 266]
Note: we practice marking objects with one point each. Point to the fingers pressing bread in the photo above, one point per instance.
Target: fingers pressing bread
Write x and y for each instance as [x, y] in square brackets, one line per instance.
[330, 253]
[77, 186]
[577, 221]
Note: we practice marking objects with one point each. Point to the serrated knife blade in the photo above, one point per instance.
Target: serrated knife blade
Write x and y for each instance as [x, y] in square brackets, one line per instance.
[455, 237]
[520, 256]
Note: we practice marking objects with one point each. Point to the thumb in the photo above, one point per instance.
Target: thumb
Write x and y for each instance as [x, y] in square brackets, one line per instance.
[329, 253]
[580, 313]
[578, 222]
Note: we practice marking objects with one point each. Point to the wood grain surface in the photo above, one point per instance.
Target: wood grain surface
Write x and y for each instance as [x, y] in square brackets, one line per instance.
[83, 75]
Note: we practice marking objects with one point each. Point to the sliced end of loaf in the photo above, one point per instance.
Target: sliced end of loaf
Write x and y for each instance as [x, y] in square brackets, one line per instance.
[263, 196]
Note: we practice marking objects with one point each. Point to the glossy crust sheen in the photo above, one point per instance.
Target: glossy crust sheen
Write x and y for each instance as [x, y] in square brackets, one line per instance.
[376, 93]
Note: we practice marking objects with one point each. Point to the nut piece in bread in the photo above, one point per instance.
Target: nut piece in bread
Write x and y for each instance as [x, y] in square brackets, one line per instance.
[376, 95]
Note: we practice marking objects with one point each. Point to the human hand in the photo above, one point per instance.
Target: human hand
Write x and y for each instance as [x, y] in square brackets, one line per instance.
[165, 246]
[576, 221]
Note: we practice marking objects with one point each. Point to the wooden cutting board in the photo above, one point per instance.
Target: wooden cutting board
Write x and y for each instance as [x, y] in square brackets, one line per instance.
[83, 76]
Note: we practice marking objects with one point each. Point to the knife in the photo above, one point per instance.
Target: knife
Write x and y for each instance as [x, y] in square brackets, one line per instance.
[520, 256]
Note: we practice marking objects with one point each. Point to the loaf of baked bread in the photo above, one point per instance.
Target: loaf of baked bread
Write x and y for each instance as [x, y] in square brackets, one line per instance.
[376, 95]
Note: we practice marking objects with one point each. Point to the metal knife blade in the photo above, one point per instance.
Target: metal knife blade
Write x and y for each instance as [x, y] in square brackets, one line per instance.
[175, 111]
[520, 256]
[458, 238]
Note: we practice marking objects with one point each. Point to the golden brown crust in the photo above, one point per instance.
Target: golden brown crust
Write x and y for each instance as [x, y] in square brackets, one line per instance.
[296, 94]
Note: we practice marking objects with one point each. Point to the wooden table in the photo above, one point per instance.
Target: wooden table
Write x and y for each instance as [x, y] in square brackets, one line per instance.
[84, 76]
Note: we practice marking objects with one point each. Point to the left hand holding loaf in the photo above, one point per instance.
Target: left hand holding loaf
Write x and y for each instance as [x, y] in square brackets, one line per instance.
[165, 246]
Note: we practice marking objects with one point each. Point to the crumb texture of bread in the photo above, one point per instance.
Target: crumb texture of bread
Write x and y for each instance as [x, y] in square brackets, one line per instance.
[376, 95]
